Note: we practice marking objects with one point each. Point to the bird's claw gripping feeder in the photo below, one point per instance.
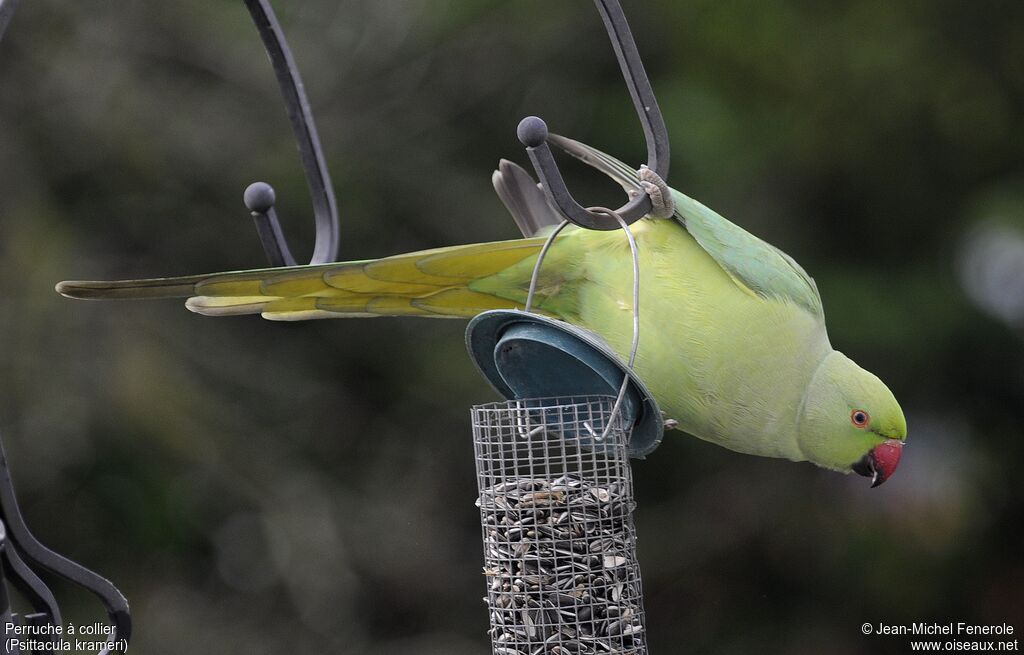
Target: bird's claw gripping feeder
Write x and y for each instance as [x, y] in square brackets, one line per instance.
[552, 460]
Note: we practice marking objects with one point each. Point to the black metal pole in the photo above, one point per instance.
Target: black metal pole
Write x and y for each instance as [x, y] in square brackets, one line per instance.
[325, 207]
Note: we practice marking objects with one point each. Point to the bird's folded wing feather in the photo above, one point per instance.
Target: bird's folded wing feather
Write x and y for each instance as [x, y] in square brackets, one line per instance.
[753, 264]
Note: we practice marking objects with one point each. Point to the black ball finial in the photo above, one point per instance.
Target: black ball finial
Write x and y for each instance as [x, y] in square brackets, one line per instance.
[259, 197]
[532, 131]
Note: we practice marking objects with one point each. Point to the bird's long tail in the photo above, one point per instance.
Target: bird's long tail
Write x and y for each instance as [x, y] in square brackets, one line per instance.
[445, 282]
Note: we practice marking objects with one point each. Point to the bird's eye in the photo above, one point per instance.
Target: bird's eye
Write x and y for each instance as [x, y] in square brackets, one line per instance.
[860, 418]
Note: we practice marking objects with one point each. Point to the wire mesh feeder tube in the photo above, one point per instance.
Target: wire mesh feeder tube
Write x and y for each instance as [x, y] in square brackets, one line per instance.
[556, 508]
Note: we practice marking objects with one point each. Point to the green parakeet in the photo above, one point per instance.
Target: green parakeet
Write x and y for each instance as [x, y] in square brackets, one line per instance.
[733, 345]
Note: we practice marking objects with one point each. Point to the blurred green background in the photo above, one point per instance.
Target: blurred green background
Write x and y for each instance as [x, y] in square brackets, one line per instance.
[264, 488]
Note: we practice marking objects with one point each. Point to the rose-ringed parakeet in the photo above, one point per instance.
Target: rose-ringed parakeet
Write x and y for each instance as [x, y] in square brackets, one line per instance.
[734, 346]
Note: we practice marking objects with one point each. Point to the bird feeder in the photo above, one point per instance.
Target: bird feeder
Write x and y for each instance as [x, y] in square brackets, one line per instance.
[556, 509]
[552, 461]
[555, 488]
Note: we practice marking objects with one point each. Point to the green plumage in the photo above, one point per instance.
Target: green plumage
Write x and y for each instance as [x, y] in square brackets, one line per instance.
[733, 342]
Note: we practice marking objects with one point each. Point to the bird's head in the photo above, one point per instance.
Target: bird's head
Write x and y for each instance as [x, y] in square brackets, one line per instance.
[850, 421]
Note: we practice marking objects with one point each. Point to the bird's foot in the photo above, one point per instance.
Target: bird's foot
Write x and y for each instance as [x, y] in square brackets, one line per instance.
[670, 423]
[655, 187]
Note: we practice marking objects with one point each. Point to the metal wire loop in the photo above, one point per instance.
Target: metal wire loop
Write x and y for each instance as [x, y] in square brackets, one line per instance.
[613, 215]
[533, 132]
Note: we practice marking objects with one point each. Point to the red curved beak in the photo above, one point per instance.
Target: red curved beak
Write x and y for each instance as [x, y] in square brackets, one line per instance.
[880, 462]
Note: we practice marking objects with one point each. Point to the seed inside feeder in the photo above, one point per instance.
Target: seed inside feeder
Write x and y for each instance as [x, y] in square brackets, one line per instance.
[563, 574]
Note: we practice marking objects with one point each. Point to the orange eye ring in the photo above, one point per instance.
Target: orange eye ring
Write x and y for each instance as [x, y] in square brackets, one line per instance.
[860, 418]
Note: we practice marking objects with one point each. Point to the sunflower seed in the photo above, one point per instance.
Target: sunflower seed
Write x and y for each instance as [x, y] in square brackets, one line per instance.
[559, 558]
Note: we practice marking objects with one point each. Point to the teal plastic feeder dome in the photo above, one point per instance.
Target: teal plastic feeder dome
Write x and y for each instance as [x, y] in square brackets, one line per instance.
[525, 355]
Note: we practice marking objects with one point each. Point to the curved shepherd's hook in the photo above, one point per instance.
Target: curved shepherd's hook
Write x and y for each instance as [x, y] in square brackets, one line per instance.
[533, 132]
[259, 197]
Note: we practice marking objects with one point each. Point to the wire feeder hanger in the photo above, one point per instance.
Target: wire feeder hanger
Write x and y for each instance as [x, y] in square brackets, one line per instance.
[634, 253]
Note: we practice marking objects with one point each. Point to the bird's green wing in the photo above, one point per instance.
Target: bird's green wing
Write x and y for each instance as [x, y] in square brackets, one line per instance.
[759, 266]
[754, 265]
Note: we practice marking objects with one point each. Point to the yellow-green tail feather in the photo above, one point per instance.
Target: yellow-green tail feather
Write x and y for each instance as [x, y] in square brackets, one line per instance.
[427, 283]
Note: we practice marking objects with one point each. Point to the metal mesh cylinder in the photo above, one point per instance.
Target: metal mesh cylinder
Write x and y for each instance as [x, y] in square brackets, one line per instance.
[556, 503]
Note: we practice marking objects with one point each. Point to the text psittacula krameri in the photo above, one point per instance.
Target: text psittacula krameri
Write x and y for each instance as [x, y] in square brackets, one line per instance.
[733, 343]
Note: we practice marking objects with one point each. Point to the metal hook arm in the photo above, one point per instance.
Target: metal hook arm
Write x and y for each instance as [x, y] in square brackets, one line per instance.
[22, 550]
[533, 132]
[259, 197]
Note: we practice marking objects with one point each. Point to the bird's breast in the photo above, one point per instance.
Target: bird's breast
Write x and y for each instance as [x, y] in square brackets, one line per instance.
[728, 365]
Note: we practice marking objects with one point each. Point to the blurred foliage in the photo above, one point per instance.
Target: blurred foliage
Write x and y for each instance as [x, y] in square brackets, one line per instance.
[264, 488]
